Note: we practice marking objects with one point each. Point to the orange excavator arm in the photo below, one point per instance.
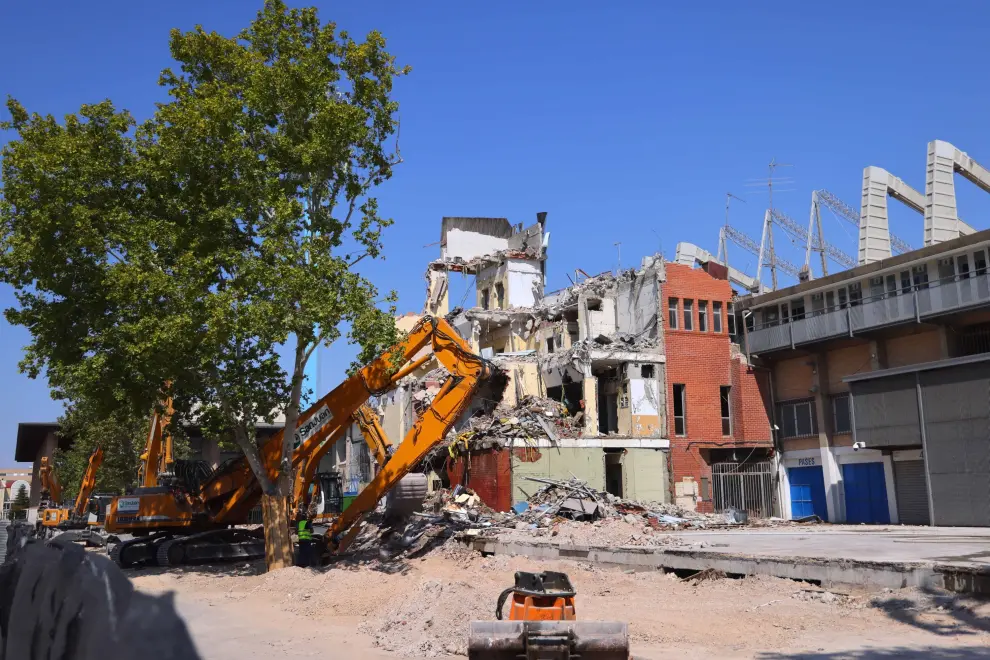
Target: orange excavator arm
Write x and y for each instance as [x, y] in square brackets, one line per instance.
[49, 481]
[328, 419]
[157, 455]
[88, 482]
[374, 435]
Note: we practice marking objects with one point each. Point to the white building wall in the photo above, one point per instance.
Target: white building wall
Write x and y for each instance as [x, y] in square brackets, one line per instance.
[467, 245]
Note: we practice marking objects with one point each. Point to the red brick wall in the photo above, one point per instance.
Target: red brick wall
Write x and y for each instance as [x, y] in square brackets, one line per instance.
[703, 362]
[488, 472]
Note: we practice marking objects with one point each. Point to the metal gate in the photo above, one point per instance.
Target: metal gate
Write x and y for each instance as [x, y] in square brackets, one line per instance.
[746, 486]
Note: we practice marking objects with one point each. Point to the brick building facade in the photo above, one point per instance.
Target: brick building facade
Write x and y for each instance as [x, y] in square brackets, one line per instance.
[715, 399]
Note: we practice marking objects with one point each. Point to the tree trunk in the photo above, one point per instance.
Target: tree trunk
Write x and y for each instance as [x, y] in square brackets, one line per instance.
[274, 507]
[278, 542]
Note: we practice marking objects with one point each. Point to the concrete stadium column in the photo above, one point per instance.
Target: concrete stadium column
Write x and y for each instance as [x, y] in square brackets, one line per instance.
[874, 228]
[823, 412]
[941, 216]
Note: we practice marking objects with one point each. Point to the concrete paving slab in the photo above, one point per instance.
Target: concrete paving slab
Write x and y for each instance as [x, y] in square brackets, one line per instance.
[891, 556]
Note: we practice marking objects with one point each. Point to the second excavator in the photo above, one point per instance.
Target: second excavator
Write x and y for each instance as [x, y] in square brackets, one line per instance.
[77, 518]
[175, 525]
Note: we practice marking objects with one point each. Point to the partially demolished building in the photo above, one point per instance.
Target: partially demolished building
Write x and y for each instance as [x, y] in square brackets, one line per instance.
[589, 393]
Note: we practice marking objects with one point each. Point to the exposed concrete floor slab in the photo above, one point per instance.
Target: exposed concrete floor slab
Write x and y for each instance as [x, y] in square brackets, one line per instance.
[961, 546]
[957, 559]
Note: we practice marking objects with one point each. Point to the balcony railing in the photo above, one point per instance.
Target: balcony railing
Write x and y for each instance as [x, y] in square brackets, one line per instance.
[922, 301]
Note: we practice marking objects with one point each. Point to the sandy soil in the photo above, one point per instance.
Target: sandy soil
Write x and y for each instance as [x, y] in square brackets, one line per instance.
[422, 607]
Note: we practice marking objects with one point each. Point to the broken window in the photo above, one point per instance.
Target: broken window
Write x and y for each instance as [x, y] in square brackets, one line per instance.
[680, 410]
[702, 316]
[891, 286]
[797, 418]
[920, 276]
[855, 294]
[647, 371]
[784, 313]
[817, 303]
[797, 309]
[841, 414]
[672, 307]
[905, 282]
[485, 302]
[771, 316]
[549, 344]
[962, 263]
[842, 298]
[829, 301]
[730, 319]
[946, 269]
[688, 314]
[980, 262]
[499, 295]
[724, 392]
[717, 317]
[876, 287]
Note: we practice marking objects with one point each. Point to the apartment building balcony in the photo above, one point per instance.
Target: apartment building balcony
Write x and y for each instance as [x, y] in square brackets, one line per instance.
[912, 304]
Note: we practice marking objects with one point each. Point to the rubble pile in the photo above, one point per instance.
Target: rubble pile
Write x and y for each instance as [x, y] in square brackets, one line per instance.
[575, 500]
[533, 417]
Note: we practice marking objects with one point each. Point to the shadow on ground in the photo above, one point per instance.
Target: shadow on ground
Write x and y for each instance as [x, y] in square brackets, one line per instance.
[938, 612]
[900, 652]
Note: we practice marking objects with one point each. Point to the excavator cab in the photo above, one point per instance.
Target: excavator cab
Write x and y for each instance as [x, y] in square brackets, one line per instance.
[542, 625]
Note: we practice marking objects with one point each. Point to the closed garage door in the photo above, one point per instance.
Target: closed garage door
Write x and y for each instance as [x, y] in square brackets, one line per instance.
[866, 493]
[912, 493]
[807, 492]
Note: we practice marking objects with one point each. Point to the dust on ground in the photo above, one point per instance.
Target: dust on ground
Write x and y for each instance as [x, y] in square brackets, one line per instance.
[422, 607]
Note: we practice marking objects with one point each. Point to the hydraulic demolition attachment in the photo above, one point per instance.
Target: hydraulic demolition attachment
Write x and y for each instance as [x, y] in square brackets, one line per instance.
[541, 624]
[180, 524]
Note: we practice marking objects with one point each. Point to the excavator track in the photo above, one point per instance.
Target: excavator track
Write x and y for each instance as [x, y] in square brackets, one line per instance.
[214, 545]
[139, 551]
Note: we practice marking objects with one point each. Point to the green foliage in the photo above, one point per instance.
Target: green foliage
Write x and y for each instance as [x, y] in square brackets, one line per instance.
[122, 434]
[20, 504]
[193, 247]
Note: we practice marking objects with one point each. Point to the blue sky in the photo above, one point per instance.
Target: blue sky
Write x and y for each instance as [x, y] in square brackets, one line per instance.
[627, 122]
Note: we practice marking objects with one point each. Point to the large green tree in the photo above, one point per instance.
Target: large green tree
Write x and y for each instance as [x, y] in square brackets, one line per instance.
[198, 247]
[20, 504]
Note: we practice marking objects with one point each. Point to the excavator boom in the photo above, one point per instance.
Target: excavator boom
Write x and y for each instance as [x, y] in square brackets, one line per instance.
[229, 495]
[157, 456]
[49, 481]
[88, 483]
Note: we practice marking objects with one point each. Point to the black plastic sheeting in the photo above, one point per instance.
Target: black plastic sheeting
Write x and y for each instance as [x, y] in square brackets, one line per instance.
[59, 601]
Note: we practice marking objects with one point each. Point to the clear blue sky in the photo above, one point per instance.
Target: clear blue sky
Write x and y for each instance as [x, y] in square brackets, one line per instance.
[627, 122]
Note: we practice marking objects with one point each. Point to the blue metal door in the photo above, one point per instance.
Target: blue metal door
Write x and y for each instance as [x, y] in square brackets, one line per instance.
[807, 492]
[866, 493]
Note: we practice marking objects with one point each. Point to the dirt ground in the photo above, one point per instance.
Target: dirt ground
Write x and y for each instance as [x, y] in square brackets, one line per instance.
[417, 608]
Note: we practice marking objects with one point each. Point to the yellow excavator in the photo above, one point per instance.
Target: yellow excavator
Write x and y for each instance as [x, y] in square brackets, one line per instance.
[181, 524]
[74, 522]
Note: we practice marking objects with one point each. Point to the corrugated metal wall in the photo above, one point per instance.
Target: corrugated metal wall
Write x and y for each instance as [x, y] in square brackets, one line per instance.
[912, 492]
[956, 404]
[886, 412]
[488, 473]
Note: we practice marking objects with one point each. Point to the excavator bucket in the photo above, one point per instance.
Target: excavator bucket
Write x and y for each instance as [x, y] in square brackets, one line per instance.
[559, 640]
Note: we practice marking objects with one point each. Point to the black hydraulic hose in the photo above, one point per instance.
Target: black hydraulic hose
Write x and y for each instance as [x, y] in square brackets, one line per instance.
[501, 601]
